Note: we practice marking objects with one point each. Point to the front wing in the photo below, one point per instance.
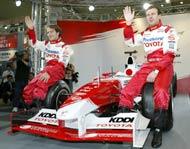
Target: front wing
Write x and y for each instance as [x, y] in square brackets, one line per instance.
[123, 127]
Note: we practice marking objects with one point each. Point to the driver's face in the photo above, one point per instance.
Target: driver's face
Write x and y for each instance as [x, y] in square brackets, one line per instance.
[52, 34]
[152, 16]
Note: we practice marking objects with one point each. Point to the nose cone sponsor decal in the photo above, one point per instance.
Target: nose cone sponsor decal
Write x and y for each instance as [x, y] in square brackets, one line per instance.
[45, 116]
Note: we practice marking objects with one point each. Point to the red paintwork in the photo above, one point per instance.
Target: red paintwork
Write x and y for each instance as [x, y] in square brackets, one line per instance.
[103, 93]
[66, 134]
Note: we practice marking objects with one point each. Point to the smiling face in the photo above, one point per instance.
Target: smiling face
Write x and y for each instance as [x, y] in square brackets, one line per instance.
[152, 16]
[52, 34]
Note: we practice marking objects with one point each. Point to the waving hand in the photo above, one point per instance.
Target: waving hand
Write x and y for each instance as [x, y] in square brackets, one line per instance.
[29, 22]
[128, 15]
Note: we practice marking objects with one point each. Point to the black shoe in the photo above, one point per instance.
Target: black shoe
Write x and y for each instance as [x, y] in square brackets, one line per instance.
[157, 138]
[123, 110]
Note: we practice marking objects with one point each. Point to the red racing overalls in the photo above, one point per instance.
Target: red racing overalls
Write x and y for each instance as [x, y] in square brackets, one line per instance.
[160, 44]
[57, 56]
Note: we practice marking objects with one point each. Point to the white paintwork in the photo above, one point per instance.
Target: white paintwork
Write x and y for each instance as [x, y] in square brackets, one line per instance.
[75, 110]
[91, 121]
[45, 120]
[82, 121]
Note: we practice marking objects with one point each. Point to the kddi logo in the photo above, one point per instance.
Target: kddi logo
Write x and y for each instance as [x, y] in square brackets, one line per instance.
[47, 115]
[121, 119]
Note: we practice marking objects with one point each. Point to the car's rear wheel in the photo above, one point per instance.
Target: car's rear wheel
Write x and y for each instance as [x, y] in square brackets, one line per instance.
[148, 107]
[174, 84]
[57, 94]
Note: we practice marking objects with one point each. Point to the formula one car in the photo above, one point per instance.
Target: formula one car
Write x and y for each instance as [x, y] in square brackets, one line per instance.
[90, 113]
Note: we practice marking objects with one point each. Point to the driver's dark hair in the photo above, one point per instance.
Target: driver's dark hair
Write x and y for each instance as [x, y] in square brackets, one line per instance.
[56, 28]
[153, 6]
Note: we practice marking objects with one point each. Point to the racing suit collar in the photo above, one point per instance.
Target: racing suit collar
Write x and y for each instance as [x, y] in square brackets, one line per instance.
[155, 26]
[55, 41]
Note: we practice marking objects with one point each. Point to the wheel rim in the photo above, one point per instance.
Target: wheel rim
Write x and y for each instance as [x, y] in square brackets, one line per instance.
[61, 97]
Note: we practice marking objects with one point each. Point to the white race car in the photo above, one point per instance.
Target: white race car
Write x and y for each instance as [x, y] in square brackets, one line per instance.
[90, 113]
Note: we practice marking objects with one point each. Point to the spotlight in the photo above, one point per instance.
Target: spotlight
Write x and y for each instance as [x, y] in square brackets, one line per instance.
[18, 3]
[91, 8]
[146, 5]
[167, 1]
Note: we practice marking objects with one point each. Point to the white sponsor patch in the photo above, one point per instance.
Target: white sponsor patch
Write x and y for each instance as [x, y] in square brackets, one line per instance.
[45, 116]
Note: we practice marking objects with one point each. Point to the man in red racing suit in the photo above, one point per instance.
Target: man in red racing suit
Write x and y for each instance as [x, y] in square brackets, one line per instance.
[160, 44]
[57, 56]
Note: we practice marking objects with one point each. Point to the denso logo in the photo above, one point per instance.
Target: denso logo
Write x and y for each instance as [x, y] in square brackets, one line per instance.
[47, 115]
[44, 129]
[121, 119]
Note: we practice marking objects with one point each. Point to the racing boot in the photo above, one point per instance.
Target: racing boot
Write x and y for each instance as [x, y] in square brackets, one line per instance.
[159, 117]
[157, 138]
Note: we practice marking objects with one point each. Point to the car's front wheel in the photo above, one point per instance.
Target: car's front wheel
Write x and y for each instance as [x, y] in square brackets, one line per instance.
[148, 107]
[57, 94]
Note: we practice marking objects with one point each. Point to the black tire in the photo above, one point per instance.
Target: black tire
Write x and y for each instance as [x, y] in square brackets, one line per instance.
[174, 85]
[147, 101]
[148, 107]
[69, 83]
[57, 94]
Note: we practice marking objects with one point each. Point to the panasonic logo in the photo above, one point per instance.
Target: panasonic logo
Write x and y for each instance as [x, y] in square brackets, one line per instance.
[121, 119]
[51, 51]
[153, 39]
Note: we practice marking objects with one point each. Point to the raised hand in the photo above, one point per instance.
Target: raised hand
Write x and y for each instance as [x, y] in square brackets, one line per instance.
[128, 15]
[29, 22]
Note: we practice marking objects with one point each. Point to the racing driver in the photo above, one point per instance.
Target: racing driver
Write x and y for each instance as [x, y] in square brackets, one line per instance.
[160, 44]
[57, 56]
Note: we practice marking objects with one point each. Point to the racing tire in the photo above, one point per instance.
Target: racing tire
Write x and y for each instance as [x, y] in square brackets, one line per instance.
[147, 101]
[174, 85]
[148, 107]
[57, 94]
